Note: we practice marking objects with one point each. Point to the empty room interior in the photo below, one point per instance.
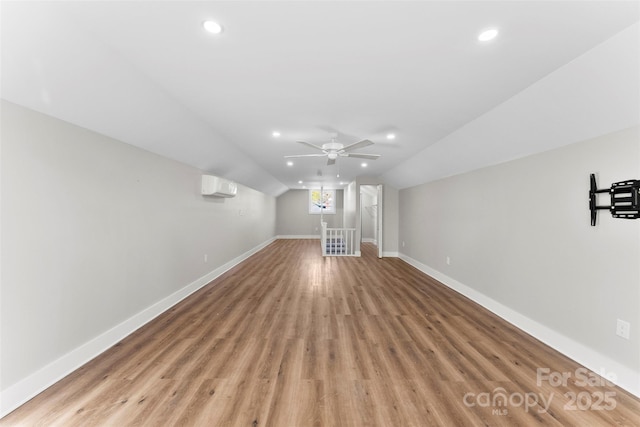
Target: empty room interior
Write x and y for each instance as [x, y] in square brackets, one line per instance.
[320, 213]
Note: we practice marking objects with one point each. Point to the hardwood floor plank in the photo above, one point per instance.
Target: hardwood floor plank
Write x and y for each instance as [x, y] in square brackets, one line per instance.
[283, 409]
[289, 338]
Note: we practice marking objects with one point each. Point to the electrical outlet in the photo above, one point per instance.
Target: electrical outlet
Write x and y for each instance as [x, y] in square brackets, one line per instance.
[403, 243]
[206, 258]
[622, 329]
[448, 261]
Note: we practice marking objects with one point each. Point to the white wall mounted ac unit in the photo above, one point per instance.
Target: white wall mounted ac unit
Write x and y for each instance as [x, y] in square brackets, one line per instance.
[220, 187]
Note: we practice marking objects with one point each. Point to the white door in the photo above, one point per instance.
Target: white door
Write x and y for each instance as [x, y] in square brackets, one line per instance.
[379, 221]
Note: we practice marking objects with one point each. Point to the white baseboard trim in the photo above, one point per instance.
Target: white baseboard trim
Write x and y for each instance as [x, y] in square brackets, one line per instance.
[298, 236]
[368, 240]
[625, 377]
[390, 254]
[19, 393]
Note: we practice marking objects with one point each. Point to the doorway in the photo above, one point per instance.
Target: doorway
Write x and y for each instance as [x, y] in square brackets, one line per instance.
[371, 216]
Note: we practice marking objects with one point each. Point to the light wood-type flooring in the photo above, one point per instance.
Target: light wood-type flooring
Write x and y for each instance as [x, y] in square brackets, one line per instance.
[288, 338]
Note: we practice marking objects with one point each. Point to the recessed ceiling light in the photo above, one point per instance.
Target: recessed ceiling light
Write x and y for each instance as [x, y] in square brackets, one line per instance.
[487, 35]
[338, 176]
[391, 136]
[289, 163]
[341, 183]
[212, 27]
[364, 165]
[276, 133]
[299, 182]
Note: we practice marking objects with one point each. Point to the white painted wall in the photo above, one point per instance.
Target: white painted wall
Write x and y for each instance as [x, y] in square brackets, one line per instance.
[293, 217]
[95, 232]
[350, 206]
[519, 239]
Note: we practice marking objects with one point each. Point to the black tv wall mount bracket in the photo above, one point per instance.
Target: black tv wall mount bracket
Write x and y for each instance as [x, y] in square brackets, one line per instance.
[625, 199]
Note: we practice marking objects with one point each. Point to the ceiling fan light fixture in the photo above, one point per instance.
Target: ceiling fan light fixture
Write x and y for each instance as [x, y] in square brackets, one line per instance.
[332, 150]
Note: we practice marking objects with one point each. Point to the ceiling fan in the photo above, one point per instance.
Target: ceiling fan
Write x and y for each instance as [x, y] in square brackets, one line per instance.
[334, 149]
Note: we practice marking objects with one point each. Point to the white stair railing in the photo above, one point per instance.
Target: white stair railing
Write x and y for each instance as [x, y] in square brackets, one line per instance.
[337, 241]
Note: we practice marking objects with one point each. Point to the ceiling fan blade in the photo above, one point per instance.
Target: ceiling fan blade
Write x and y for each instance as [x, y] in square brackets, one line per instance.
[359, 144]
[331, 161]
[362, 156]
[304, 155]
[310, 145]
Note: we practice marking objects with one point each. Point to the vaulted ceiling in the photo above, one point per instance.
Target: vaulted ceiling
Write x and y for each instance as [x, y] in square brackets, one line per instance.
[146, 73]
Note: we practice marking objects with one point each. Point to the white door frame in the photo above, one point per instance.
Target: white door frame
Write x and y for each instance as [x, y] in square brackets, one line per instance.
[379, 220]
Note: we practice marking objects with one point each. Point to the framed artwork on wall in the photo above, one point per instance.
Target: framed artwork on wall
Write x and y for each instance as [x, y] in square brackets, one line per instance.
[322, 201]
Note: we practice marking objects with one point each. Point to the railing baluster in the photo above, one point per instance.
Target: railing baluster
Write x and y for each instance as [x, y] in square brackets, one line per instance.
[333, 237]
[333, 241]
